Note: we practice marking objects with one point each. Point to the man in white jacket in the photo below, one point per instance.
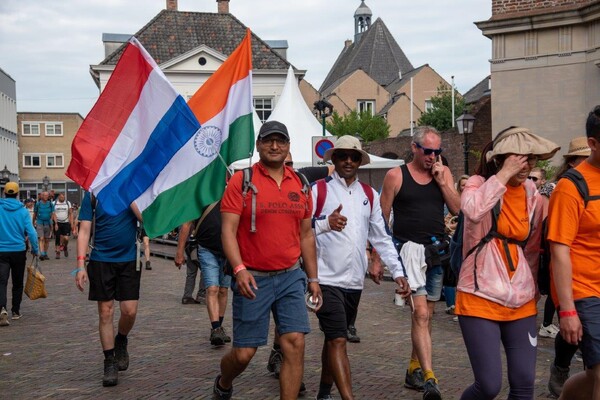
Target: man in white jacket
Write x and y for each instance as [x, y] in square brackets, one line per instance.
[346, 215]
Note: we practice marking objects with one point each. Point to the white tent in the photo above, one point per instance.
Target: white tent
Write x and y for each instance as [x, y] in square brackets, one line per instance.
[302, 126]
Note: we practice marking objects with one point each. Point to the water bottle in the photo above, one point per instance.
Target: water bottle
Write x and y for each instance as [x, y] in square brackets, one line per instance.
[438, 245]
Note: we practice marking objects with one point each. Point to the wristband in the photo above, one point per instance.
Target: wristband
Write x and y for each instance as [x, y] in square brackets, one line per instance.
[313, 280]
[80, 258]
[76, 270]
[239, 268]
[570, 313]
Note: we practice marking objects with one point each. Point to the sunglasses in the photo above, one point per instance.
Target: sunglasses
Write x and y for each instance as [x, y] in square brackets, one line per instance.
[427, 151]
[533, 178]
[342, 156]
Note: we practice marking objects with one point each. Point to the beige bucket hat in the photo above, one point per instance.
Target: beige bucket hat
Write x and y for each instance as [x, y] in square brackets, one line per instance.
[578, 147]
[519, 140]
[347, 142]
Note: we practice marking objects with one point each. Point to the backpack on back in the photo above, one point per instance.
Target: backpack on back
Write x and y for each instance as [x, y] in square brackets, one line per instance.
[322, 195]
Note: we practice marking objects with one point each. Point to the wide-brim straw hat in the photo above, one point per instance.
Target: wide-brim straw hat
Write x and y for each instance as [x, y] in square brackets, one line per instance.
[347, 142]
[578, 147]
[517, 140]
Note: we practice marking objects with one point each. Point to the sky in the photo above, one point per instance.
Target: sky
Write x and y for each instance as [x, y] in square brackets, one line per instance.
[47, 46]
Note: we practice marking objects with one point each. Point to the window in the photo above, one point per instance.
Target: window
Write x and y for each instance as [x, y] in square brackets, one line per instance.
[263, 107]
[31, 129]
[366, 105]
[428, 105]
[32, 161]
[54, 129]
[54, 161]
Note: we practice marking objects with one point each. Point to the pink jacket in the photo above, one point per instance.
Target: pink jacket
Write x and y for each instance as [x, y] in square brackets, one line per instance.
[493, 282]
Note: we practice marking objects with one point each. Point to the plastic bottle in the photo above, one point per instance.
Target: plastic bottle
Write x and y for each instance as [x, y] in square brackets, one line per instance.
[437, 244]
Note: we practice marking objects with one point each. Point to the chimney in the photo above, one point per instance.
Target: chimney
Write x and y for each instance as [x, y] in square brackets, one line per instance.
[171, 5]
[347, 43]
[223, 6]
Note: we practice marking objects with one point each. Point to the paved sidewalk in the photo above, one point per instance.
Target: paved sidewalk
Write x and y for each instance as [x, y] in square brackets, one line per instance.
[54, 350]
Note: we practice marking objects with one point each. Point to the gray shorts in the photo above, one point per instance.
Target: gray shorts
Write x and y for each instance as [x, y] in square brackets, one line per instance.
[433, 284]
[589, 315]
[44, 231]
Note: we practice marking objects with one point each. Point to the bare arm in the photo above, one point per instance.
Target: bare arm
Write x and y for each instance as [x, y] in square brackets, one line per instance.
[391, 186]
[244, 279]
[184, 232]
[308, 250]
[445, 181]
[83, 240]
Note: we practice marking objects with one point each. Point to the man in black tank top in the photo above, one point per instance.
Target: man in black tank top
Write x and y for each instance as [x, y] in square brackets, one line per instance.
[417, 193]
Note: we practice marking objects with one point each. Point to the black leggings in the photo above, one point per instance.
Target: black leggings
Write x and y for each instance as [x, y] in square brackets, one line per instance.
[483, 338]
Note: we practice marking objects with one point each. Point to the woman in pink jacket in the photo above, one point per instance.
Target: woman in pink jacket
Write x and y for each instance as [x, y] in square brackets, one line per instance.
[497, 291]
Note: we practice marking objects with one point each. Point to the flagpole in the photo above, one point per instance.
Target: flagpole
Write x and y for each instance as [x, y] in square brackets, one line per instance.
[225, 164]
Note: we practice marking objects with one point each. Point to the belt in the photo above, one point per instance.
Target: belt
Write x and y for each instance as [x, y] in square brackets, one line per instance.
[273, 273]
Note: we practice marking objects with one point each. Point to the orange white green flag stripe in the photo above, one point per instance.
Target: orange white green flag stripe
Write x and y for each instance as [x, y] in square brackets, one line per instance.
[195, 176]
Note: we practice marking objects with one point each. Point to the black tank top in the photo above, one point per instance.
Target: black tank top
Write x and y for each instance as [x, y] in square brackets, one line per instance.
[418, 210]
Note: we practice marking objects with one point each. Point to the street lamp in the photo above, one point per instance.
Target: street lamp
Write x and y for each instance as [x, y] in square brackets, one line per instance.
[325, 109]
[46, 182]
[465, 123]
[5, 173]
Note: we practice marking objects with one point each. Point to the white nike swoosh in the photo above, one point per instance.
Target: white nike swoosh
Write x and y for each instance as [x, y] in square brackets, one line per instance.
[532, 340]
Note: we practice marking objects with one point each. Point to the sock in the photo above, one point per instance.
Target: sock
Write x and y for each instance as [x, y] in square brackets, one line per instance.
[109, 353]
[429, 375]
[276, 347]
[221, 388]
[414, 364]
[221, 320]
[215, 324]
[120, 337]
[324, 389]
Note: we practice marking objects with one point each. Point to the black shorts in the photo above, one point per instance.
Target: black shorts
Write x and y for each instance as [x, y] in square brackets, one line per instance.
[114, 281]
[64, 229]
[339, 307]
[589, 315]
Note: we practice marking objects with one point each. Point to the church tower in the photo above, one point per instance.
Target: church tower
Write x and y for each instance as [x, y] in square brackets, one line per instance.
[362, 20]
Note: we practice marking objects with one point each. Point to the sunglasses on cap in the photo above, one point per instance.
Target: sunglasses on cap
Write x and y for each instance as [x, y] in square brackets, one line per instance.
[427, 151]
[343, 155]
[533, 178]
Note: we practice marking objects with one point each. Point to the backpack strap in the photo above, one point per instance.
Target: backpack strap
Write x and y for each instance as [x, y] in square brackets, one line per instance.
[579, 181]
[321, 196]
[369, 192]
[246, 186]
[203, 217]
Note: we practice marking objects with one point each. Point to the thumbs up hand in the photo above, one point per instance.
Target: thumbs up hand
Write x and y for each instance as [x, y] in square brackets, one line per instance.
[337, 221]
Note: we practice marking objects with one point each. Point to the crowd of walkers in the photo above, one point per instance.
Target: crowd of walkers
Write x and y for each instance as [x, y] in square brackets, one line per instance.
[282, 246]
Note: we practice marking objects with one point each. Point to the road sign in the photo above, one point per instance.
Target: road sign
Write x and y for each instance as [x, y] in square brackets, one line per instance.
[320, 146]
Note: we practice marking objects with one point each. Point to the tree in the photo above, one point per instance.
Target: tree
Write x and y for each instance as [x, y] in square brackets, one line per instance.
[368, 127]
[440, 115]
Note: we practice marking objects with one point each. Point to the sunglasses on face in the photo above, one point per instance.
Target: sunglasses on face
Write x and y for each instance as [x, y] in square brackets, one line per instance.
[342, 156]
[427, 151]
[533, 178]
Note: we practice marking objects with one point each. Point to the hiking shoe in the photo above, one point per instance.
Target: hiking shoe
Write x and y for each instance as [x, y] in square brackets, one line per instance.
[275, 360]
[200, 299]
[220, 394]
[226, 337]
[16, 315]
[431, 391]
[217, 336]
[558, 377]
[111, 372]
[414, 381]
[121, 354]
[549, 331]
[148, 266]
[351, 335]
[4, 317]
[188, 300]
[326, 397]
[450, 310]
[66, 251]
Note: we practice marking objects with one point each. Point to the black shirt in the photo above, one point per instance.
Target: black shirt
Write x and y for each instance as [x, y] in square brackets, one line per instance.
[209, 232]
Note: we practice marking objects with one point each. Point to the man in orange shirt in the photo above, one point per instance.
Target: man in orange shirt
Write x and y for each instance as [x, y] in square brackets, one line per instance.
[575, 246]
[264, 233]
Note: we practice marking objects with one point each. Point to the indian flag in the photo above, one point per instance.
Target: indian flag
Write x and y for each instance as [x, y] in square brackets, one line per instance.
[195, 176]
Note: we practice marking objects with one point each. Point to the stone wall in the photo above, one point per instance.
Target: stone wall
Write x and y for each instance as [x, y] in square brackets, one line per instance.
[500, 7]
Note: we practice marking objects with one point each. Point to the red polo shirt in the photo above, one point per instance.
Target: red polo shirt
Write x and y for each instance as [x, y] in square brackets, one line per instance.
[276, 243]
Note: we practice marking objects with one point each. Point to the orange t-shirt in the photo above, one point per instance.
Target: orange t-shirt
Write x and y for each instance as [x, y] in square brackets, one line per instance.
[578, 227]
[279, 209]
[513, 222]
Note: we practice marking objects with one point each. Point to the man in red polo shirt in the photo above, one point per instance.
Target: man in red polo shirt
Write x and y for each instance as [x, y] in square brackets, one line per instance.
[263, 239]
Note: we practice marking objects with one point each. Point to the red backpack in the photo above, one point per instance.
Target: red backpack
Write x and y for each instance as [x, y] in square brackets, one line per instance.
[322, 195]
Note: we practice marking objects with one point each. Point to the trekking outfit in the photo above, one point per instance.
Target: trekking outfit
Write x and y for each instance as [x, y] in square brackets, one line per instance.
[496, 287]
[61, 211]
[574, 223]
[15, 228]
[269, 242]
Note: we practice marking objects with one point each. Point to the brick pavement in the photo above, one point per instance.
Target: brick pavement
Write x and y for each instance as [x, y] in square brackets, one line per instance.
[54, 350]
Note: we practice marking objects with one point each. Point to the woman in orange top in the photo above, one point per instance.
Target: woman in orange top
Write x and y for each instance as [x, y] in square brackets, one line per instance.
[496, 300]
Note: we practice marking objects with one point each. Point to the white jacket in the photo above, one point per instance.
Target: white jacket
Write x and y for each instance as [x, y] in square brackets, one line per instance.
[341, 256]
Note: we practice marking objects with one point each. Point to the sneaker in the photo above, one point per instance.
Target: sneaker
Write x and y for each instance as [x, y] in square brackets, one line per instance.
[455, 319]
[351, 335]
[415, 380]
[66, 251]
[57, 255]
[431, 390]
[226, 337]
[200, 299]
[217, 336]
[558, 377]
[326, 397]
[549, 331]
[450, 310]
[188, 300]
[111, 372]
[220, 394]
[4, 317]
[148, 266]
[121, 354]
[16, 315]
[275, 360]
